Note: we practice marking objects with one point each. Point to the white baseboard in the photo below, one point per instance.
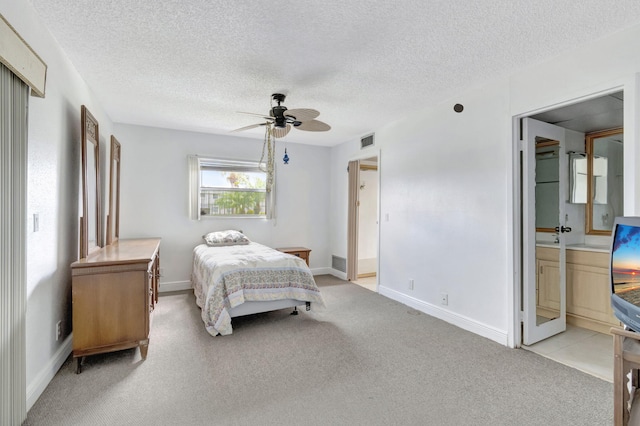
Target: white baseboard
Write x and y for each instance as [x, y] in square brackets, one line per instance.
[174, 286]
[42, 379]
[321, 271]
[458, 320]
[337, 274]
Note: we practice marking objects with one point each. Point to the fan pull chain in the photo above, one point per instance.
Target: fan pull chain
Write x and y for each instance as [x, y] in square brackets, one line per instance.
[269, 145]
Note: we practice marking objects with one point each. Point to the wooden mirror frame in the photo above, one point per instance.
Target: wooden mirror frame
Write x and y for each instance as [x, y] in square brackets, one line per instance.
[113, 219]
[589, 138]
[90, 193]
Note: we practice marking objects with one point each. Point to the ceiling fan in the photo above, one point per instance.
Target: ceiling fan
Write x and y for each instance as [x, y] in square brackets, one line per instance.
[281, 119]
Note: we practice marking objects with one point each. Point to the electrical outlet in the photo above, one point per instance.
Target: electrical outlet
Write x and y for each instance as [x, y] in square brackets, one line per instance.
[410, 284]
[58, 330]
[444, 299]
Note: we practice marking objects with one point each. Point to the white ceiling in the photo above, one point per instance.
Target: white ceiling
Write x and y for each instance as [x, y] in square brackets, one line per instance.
[194, 64]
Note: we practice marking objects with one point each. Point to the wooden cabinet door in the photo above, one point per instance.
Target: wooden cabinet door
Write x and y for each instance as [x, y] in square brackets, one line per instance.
[588, 293]
[109, 309]
[548, 288]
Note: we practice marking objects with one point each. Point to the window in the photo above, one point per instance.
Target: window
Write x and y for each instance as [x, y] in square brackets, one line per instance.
[228, 188]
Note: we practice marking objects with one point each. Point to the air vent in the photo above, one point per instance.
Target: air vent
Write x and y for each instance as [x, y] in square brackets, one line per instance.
[366, 141]
[339, 263]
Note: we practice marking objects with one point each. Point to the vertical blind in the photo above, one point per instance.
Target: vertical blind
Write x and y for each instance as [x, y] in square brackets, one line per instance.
[14, 95]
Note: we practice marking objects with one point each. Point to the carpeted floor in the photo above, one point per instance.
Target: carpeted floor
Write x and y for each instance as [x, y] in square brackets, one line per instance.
[364, 360]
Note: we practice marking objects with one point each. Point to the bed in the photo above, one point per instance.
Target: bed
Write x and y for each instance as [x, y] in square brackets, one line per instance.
[233, 276]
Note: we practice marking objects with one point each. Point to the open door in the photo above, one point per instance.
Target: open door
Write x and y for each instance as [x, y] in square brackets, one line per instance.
[353, 214]
[544, 188]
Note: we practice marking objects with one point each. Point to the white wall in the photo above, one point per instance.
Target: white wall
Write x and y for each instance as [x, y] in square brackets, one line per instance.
[444, 188]
[447, 184]
[53, 193]
[154, 196]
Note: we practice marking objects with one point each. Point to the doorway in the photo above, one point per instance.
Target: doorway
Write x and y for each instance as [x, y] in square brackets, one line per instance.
[554, 234]
[362, 259]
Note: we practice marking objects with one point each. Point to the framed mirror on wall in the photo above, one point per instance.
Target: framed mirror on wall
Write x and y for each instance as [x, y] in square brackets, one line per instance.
[113, 218]
[605, 198]
[90, 229]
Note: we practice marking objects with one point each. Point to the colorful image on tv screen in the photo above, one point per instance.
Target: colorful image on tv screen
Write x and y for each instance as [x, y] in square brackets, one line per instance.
[625, 263]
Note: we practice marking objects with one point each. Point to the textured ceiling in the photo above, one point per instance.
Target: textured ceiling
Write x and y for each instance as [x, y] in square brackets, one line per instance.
[194, 64]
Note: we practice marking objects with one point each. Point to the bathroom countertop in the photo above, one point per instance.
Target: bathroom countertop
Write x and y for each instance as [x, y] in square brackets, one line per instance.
[589, 247]
[583, 247]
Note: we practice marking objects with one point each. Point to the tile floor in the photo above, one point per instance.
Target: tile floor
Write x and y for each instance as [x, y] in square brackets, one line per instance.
[585, 350]
[579, 348]
[368, 282]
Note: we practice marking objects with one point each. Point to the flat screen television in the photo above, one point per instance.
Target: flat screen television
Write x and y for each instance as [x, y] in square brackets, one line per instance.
[625, 271]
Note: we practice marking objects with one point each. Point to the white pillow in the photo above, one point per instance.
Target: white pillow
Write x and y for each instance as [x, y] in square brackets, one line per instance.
[225, 238]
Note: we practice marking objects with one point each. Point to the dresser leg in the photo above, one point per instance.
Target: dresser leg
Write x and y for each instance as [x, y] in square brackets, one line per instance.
[144, 348]
[78, 365]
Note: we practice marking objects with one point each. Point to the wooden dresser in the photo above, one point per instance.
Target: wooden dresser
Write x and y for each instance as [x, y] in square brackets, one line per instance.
[114, 291]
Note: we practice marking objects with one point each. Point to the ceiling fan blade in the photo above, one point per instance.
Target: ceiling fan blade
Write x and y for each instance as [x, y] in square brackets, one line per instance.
[302, 114]
[266, 117]
[280, 132]
[314, 126]
[252, 126]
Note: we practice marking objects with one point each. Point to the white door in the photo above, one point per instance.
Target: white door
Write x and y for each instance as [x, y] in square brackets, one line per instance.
[544, 188]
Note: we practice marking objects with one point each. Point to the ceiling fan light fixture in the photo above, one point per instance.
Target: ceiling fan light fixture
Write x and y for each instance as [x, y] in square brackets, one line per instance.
[280, 132]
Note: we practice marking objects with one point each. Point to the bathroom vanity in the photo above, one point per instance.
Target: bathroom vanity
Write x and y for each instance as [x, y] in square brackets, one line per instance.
[588, 293]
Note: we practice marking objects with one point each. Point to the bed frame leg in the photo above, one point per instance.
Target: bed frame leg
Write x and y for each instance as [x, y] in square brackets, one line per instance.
[295, 311]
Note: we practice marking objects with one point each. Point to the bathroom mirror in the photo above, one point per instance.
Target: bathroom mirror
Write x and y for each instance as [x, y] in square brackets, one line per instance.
[547, 185]
[113, 219]
[605, 184]
[90, 236]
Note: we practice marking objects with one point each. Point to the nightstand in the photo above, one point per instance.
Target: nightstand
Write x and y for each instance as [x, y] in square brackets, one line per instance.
[301, 252]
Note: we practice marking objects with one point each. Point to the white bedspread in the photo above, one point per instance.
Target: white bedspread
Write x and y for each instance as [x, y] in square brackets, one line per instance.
[225, 277]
